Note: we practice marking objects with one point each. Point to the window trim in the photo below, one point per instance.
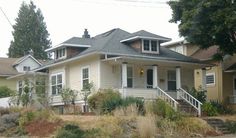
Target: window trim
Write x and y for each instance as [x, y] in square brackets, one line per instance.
[214, 79]
[82, 68]
[62, 83]
[57, 51]
[150, 46]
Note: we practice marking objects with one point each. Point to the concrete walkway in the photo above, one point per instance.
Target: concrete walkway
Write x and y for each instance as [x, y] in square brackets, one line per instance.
[225, 136]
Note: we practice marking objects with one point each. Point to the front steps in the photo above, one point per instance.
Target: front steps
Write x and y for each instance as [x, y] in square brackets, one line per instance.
[186, 108]
[218, 125]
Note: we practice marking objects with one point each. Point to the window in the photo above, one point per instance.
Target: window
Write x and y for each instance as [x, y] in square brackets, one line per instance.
[210, 79]
[60, 53]
[20, 87]
[85, 77]
[171, 74]
[129, 77]
[26, 68]
[56, 83]
[150, 46]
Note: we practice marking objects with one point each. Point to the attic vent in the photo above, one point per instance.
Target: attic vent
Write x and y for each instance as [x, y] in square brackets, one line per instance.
[86, 34]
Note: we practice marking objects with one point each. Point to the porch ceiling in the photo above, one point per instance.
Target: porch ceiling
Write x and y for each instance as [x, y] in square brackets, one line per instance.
[150, 62]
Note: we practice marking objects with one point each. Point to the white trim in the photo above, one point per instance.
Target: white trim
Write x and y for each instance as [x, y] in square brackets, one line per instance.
[50, 82]
[214, 77]
[99, 74]
[144, 37]
[150, 47]
[26, 58]
[63, 45]
[85, 67]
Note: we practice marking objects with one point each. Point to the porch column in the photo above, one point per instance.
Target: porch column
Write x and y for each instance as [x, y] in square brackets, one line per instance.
[155, 76]
[178, 81]
[124, 74]
[204, 78]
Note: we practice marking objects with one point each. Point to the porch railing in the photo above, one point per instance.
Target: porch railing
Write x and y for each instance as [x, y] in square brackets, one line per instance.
[190, 99]
[166, 97]
[232, 99]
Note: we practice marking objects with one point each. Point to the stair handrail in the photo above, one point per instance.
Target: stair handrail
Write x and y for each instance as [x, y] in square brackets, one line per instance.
[166, 97]
[190, 99]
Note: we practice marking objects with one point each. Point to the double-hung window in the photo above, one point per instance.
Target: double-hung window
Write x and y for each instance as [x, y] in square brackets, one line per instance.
[129, 77]
[150, 46]
[56, 83]
[85, 77]
[60, 53]
[210, 79]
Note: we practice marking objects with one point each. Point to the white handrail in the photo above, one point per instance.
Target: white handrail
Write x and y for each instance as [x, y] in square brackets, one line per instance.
[190, 99]
[166, 97]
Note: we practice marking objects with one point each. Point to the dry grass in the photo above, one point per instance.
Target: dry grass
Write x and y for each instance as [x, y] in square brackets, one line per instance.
[146, 126]
[131, 111]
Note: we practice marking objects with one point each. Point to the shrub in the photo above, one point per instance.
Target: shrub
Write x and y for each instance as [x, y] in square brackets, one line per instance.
[231, 125]
[221, 109]
[208, 109]
[161, 108]
[104, 101]
[199, 94]
[5, 91]
[70, 131]
[139, 103]
[8, 121]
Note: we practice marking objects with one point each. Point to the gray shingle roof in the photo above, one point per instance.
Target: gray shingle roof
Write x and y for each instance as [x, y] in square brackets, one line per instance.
[109, 43]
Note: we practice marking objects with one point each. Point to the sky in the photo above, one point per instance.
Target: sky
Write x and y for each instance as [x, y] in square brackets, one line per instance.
[69, 18]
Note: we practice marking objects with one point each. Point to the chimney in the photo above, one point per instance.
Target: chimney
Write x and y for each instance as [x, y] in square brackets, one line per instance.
[86, 34]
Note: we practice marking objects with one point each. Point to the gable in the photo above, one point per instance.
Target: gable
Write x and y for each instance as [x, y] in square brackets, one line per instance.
[29, 62]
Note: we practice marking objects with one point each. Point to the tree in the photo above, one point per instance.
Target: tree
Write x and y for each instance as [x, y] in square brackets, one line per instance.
[68, 97]
[85, 92]
[207, 23]
[30, 33]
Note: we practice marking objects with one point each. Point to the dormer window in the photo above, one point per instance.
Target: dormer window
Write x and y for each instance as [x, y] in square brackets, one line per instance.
[150, 46]
[60, 53]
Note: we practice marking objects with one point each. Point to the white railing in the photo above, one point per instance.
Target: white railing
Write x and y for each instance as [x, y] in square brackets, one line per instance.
[166, 97]
[190, 99]
[232, 99]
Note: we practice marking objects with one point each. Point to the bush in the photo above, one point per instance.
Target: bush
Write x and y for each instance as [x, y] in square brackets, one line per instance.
[107, 100]
[161, 108]
[70, 131]
[8, 121]
[104, 101]
[199, 94]
[231, 125]
[5, 91]
[208, 109]
[221, 109]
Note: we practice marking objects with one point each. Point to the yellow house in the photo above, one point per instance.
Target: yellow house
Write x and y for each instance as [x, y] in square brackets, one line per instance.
[220, 78]
[132, 63]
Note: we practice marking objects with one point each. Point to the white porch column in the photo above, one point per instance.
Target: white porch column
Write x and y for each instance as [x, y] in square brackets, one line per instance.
[124, 74]
[178, 81]
[155, 76]
[203, 78]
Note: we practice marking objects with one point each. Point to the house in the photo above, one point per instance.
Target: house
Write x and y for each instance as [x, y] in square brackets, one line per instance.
[132, 63]
[10, 67]
[220, 79]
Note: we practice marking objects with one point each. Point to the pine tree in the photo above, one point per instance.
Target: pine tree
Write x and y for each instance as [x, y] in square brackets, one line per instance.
[30, 33]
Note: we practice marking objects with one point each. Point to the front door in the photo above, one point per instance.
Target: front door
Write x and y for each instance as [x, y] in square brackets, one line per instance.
[149, 78]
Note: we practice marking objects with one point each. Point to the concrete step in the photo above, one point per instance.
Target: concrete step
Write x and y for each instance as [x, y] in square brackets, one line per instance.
[218, 125]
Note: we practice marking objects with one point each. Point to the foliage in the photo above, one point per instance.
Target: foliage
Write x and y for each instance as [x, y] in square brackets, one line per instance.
[161, 108]
[8, 121]
[221, 109]
[5, 91]
[231, 125]
[25, 97]
[30, 33]
[139, 103]
[41, 91]
[4, 111]
[68, 96]
[104, 101]
[207, 23]
[199, 94]
[87, 90]
[209, 109]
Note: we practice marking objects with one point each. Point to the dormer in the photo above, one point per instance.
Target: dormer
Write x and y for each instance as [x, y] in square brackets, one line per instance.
[71, 47]
[145, 42]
